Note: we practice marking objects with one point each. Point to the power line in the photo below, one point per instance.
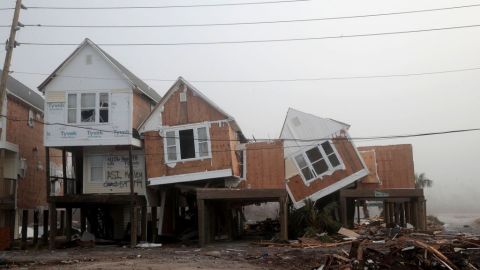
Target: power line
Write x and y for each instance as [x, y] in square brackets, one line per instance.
[251, 23]
[167, 6]
[270, 80]
[261, 40]
[413, 135]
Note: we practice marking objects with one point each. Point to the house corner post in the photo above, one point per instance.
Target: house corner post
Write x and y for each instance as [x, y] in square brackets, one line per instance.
[133, 210]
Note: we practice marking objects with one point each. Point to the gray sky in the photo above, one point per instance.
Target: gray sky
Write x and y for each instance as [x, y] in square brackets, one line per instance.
[382, 106]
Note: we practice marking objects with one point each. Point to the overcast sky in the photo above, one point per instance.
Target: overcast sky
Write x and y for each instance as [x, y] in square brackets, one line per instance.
[373, 107]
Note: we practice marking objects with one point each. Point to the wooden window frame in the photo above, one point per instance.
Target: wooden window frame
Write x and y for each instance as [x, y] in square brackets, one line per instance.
[176, 131]
[78, 108]
[331, 168]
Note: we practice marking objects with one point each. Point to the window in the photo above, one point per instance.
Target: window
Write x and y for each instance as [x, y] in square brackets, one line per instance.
[87, 112]
[72, 108]
[96, 169]
[103, 107]
[242, 162]
[94, 108]
[185, 144]
[31, 118]
[317, 161]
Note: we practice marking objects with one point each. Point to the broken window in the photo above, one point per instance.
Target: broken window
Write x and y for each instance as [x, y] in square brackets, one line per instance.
[317, 161]
[103, 108]
[96, 169]
[87, 108]
[187, 144]
[72, 108]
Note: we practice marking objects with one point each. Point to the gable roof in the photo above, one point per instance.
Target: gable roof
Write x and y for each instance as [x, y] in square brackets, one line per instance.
[129, 76]
[175, 87]
[24, 93]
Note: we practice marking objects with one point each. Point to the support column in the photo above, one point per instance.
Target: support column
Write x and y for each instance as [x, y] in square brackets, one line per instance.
[402, 215]
[143, 231]
[284, 218]
[201, 222]
[68, 223]
[133, 210]
[53, 224]
[64, 170]
[45, 227]
[62, 222]
[414, 213]
[386, 213]
[154, 231]
[357, 203]
[407, 213]
[83, 220]
[35, 226]
[343, 210]
[24, 228]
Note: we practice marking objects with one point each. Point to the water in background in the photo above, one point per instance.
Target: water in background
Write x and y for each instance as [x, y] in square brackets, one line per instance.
[460, 222]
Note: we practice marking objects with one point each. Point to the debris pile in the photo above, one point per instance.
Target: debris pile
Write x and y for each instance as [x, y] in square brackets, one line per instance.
[375, 246]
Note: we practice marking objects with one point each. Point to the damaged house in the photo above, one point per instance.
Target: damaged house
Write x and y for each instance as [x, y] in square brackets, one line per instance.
[94, 106]
[391, 181]
[320, 158]
[202, 170]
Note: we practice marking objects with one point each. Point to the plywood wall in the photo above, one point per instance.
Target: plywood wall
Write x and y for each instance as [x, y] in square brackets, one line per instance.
[265, 165]
[395, 166]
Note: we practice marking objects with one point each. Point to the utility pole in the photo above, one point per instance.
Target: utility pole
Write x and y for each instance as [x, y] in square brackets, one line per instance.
[3, 90]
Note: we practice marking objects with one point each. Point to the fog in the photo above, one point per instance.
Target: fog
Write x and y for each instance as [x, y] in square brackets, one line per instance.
[373, 107]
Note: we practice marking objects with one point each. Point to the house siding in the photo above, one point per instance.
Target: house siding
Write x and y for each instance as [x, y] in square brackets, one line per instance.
[220, 147]
[31, 190]
[351, 160]
[395, 167]
[142, 107]
[265, 165]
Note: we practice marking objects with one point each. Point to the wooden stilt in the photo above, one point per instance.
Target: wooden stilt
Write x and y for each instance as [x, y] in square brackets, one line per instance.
[386, 212]
[36, 215]
[133, 210]
[62, 222]
[53, 225]
[24, 228]
[343, 211]
[45, 227]
[143, 231]
[402, 215]
[83, 219]
[284, 218]
[201, 222]
[154, 231]
[68, 223]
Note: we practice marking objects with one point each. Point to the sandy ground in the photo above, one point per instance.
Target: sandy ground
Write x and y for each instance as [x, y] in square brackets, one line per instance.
[238, 255]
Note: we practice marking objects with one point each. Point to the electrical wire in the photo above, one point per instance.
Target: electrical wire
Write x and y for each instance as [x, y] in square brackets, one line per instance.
[264, 140]
[269, 80]
[167, 6]
[261, 40]
[251, 22]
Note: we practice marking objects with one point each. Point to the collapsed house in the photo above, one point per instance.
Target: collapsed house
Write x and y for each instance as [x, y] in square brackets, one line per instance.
[22, 190]
[94, 106]
[320, 158]
[202, 170]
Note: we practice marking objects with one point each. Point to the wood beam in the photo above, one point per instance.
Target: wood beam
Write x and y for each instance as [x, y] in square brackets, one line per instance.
[68, 224]
[53, 225]
[201, 222]
[24, 228]
[154, 231]
[36, 215]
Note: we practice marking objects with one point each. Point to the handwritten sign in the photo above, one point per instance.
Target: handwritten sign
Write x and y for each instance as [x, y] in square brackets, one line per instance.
[117, 172]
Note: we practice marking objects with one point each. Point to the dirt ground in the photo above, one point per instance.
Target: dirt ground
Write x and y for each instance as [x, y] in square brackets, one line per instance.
[238, 255]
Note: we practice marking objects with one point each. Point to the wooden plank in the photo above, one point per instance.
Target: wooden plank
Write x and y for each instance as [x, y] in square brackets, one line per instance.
[53, 225]
[68, 224]
[45, 227]
[36, 215]
[284, 218]
[382, 193]
[143, 221]
[154, 232]
[223, 193]
[24, 228]
[201, 222]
